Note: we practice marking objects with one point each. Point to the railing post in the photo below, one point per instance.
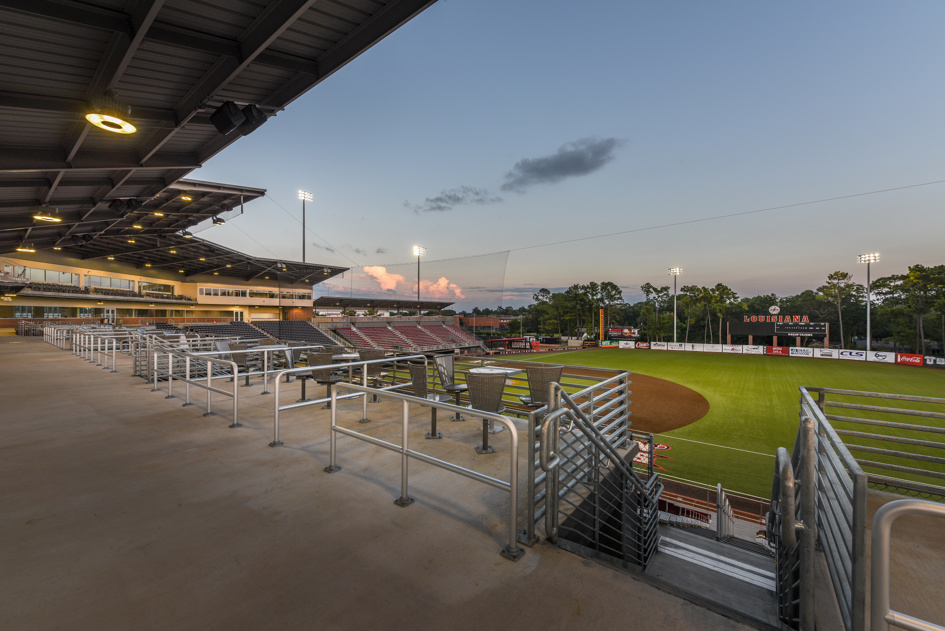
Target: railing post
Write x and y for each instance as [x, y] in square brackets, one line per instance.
[210, 385]
[170, 375]
[809, 535]
[155, 370]
[275, 417]
[332, 435]
[187, 381]
[404, 499]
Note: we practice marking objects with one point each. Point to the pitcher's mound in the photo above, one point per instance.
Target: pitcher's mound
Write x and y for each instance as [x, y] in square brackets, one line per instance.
[660, 405]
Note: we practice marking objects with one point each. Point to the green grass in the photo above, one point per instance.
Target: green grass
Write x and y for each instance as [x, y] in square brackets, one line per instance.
[753, 404]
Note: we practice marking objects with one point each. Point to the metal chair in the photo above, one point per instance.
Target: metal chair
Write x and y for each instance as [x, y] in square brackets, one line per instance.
[323, 375]
[374, 371]
[445, 368]
[418, 378]
[485, 393]
[243, 363]
[539, 378]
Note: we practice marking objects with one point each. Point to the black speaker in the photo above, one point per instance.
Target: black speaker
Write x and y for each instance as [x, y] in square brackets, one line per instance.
[254, 118]
[133, 204]
[227, 117]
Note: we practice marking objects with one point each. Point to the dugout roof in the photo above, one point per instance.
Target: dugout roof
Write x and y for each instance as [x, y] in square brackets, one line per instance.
[175, 63]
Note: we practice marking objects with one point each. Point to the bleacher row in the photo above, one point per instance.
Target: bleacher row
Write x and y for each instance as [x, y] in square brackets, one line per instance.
[408, 337]
[402, 337]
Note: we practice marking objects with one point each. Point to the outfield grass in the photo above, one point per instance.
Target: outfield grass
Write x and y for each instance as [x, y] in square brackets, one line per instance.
[753, 404]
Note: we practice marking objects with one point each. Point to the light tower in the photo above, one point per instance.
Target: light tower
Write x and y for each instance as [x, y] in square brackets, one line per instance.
[674, 272]
[305, 196]
[872, 257]
[418, 251]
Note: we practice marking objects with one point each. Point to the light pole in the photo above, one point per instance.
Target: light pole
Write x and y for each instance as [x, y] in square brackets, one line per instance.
[305, 196]
[674, 272]
[418, 251]
[872, 257]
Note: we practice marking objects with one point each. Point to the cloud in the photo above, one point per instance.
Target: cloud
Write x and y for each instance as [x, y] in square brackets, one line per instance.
[573, 159]
[380, 251]
[386, 280]
[449, 199]
[322, 247]
[442, 289]
[359, 251]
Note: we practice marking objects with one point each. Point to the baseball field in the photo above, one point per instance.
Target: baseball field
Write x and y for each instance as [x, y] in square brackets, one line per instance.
[723, 416]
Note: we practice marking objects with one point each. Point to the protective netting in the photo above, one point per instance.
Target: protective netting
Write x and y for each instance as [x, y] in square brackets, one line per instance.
[467, 282]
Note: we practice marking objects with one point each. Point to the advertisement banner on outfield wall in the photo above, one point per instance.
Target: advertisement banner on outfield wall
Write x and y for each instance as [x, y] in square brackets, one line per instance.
[712, 348]
[731, 348]
[675, 346]
[799, 351]
[753, 349]
[826, 353]
[780, 351]
[658, 346]
[855, 355]
[624, 344]
[909, 359]
[642, 344]
[884, 357]
[698, 348]
[934, 362]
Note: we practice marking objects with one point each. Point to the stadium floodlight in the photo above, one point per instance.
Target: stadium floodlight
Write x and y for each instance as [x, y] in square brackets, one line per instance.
[872, 257]
[674, 272]
[418, 251]
[305, 196]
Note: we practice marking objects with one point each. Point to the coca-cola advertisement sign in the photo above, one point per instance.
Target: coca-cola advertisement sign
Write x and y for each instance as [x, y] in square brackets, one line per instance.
[780, 351]
[909, 359]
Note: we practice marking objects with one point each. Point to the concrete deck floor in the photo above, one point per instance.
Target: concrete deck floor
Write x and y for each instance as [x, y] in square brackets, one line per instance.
[124, 510]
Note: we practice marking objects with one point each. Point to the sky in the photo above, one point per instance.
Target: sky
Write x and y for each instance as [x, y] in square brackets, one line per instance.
[543, 143]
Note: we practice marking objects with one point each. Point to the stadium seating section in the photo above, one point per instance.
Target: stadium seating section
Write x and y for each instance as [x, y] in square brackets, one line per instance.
[294, 331]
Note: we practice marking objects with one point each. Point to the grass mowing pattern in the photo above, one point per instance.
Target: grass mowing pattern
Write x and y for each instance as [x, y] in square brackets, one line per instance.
[753, 403]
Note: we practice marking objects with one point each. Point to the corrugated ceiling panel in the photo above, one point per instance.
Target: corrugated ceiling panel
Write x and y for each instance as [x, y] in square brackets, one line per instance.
[228, 18]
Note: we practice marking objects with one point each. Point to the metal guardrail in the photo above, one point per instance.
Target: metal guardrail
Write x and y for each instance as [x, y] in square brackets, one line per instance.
[793, 513]
[610, 511]
[724, 515]
[841, 512]
[511, 550]
[881, 616]
[909, 454]
[607, 406]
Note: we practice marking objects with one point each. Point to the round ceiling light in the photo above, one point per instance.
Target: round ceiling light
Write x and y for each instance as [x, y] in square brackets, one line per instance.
[110, 114]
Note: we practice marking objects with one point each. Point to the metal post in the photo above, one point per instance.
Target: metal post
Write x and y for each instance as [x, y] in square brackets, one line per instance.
[404, 499]
[210, 385]
[187, 382]
[809, 535]
[332, 437]
[236, 398]
[170, 375]
[675, 321]
[275, 417]
[869, 337]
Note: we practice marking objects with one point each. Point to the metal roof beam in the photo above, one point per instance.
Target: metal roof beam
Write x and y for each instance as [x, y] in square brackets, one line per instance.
[25, 160]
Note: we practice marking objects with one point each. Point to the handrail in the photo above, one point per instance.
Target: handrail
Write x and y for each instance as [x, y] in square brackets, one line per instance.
[881, 616]
[511, 550]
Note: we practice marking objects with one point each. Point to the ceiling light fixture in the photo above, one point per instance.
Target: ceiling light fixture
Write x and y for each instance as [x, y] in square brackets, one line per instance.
[131, 240]
[186, 235]
[56, 248]
[173, 251]
[44, 214]
[137, 226]
[186, 198]
[158, 213]
[111, 258]
[218, 221]
[26, 247]
[110, 114]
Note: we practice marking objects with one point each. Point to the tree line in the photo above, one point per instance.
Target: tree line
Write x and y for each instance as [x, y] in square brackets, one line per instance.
[908, 310]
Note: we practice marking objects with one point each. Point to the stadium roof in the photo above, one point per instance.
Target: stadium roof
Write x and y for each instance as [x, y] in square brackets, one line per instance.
[188, 71]
[331, 302]
[197, 257]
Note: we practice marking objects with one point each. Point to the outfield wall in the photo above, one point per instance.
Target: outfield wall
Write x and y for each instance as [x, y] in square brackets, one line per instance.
[885, 357]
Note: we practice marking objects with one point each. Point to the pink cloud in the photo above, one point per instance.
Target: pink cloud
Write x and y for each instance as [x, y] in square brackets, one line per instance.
[442, 289]
[383, 277]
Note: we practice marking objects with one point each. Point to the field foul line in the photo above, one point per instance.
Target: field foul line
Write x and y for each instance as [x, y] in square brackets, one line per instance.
[699, 442]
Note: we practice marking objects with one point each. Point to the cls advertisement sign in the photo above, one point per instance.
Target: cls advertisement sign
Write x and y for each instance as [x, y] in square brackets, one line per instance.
[855, 355]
